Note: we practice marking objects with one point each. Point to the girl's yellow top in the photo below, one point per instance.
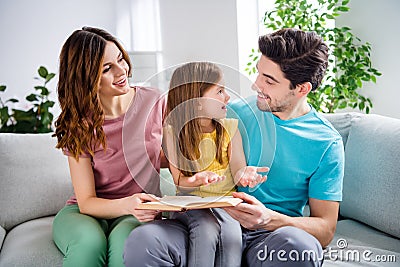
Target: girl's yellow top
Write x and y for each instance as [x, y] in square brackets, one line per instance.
[208, 161]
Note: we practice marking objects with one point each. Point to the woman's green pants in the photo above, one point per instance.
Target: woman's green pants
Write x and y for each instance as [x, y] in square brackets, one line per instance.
[88, 241]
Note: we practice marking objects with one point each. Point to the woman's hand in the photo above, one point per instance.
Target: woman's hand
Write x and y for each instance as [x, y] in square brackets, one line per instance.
[249, 176]
[142, 215]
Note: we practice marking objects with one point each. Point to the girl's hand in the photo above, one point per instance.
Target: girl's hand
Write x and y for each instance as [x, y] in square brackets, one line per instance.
[205, 178]
[142, 215]
[249, 176]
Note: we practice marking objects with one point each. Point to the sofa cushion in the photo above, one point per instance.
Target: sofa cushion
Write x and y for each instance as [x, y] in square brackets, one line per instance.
[342, 122]
[372, 173]
[34, 178]
[31, 244]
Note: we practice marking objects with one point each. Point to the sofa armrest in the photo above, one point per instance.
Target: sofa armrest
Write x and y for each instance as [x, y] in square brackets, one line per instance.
[371, 174]
[34, 178]
[2, 236]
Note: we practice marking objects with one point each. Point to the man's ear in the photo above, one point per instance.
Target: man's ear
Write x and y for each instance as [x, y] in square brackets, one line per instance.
[304, 88]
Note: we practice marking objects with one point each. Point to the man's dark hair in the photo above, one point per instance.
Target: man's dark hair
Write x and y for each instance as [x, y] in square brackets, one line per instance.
[302, 56]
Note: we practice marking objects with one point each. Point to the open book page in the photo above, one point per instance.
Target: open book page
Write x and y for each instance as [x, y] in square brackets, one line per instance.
[180, 203]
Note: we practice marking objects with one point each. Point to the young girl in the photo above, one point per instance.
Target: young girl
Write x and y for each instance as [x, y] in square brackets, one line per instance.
[204, 150]
[97, 104]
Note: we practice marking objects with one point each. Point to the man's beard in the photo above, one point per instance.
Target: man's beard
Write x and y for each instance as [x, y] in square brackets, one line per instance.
[263, 106]
[277, 106]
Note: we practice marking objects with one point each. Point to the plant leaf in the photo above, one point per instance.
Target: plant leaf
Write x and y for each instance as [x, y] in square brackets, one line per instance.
[43, 72]
[31, 98]
[12, 100]
[43, 90]
[50, 76]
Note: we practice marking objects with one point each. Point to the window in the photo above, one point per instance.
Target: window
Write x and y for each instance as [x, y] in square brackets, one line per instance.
[138, 28]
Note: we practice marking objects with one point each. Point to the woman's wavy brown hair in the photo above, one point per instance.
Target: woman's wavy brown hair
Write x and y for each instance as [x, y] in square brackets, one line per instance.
[79, 126]
[189, 82]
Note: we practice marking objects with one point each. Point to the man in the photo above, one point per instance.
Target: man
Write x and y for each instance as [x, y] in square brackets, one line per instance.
[307, 166]
[308, 161]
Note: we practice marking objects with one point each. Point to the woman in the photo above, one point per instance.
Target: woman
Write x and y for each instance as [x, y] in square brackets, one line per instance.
[97, 107]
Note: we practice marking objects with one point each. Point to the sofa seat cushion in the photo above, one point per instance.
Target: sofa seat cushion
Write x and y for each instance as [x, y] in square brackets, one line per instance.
[372, 173]
[31, 244]
[352, 239]
[360, 234]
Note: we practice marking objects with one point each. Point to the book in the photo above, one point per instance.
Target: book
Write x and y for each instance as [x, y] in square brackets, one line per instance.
[182, 203]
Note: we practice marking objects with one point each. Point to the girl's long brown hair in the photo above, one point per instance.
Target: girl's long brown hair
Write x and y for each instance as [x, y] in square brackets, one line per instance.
[189, 82]
[79, 126]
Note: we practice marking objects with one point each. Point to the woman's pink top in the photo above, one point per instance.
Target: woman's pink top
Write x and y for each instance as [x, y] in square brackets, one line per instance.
[131, 162]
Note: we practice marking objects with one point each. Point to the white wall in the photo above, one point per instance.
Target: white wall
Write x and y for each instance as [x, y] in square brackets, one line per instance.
[378, 23]
[32, 33]
[248, 21]
[200, 30]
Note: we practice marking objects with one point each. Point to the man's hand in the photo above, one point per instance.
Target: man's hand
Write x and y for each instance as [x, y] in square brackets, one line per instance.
[252, 214]
[249, 176]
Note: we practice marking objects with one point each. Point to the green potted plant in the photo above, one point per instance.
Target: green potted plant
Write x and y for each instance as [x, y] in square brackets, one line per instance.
[38, 118]
[349, 62]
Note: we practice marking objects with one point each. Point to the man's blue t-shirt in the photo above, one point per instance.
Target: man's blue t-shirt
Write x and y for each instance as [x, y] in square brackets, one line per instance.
[305, 156]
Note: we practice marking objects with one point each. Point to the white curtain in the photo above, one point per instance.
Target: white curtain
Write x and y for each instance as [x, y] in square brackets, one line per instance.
[138, 24]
